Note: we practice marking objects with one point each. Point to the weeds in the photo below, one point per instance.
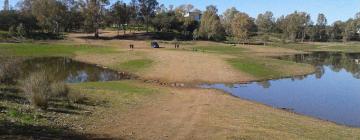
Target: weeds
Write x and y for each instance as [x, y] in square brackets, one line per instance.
[9, 71]
[37, 88]
[76, 96]
[59, 89]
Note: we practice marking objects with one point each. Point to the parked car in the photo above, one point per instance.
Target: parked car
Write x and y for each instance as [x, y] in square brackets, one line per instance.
[154, 44]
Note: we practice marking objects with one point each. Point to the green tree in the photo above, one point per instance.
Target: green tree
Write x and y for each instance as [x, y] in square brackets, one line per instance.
[321, 27]
[50, 14]
[210, 25]
[349, 30]
[120, 15]
[147, 9]
[227, 19]
[336, 30]
[295, 25]
[241, 26]
[94, 15]
[265, 22]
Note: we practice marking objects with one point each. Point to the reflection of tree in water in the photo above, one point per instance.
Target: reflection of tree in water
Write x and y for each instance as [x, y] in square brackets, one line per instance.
[264, 84]
[61, 68]
[334, 60]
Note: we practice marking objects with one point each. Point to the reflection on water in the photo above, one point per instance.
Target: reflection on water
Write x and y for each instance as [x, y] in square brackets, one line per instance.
[331, 93]
[68, 70]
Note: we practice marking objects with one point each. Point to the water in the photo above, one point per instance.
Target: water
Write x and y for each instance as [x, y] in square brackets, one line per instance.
[332, 93]
[68, 70]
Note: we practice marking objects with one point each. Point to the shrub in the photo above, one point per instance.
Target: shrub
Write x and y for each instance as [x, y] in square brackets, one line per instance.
[9, 71]
[59, 89]
[76, 96]
[37, 88]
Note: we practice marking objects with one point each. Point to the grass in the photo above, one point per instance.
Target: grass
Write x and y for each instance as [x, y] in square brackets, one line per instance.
[35, 49]
[221, 49]
[254, 68]
[323, 46]
[135, 65]
[22, 117]
[123, 87]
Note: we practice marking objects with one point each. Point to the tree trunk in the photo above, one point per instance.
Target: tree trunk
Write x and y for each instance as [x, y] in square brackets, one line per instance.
[96, 33]
[147, 24]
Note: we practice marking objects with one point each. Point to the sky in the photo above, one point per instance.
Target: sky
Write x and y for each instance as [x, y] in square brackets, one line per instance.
[333, 9]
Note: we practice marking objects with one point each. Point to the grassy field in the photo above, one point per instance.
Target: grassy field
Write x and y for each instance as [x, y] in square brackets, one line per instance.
[45, 49]
[325, 46]
[258, 66]
[135, 65]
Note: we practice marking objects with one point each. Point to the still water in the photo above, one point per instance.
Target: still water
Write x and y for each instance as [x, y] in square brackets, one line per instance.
[332, 93]
[68, 70]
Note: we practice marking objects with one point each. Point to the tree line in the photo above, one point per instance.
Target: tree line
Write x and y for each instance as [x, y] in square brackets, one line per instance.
[57, 16]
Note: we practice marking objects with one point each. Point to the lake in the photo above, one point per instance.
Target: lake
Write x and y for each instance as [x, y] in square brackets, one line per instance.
[332, 93]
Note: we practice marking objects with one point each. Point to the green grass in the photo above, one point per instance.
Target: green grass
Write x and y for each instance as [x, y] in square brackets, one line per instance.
[135, 65]
[126, 87]
[32, 49]
[254, 68]
[25, 118]
[323, 46]
[221, 49]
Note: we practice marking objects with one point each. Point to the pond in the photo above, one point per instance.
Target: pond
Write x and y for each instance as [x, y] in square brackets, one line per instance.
[332, 93]
[66, 69]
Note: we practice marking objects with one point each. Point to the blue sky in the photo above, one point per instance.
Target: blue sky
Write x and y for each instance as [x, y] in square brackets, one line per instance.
[333, 9]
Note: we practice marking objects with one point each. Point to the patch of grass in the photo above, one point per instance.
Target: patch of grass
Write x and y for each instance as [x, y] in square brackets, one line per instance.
[118, 94]
[34, 49]
[120, 86]
[136, 65]
[220, 49]
[22, 117]
[253, 67]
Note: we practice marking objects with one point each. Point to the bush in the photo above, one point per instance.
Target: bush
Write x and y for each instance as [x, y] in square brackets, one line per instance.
[59, 89]
[9, 71]
[76, 96]
[37, 88]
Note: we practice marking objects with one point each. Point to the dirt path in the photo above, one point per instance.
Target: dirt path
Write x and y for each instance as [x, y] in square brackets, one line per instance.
[175, 116]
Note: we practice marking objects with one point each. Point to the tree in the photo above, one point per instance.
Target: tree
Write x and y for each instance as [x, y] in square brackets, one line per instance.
[120, 14]
[227, 19]
[50, 14]
[164, 21]
[321, 26]
[134, 12]
[147, 9]
[185, 22]
[336, 30]
[94, 11]
[6, 5]
[210, 25]
[349, 30]
[265, 22]
[295, 25]
[241, 26]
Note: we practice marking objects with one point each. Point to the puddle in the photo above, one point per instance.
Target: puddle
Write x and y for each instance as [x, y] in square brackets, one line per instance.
[68, 70]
